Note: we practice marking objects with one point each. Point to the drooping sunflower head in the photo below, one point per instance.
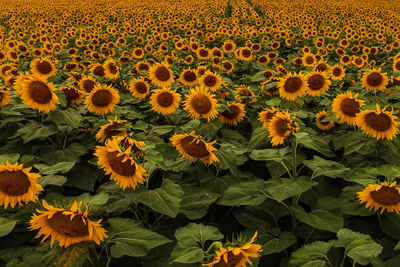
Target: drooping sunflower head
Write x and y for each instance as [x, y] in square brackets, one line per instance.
[346, 106]
[292, 86]
[244, 94]
[43, 67]
[17, 185]
[126, 142]
[111, 69]
[337, 73]
[190, 146]
[375, 80]
[112, 128]
[117, 161]
[281, 126]
[139, 88]
[87, 84]
[189, 77]
[211, 81]
[72, 94]
[266, 115]
[67, 226]
[161, 75]
[201, 104]
[165, 101]
[379, 123]
[383, 195]
[318, 83]
[102, 99]
[234, 113]
[323, 125]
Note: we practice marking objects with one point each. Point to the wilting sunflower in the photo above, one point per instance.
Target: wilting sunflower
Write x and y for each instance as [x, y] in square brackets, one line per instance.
[374, 80]
[87, 84]
[236, 254]
[37, 94]
[323, 125]
[43, 67]
[111, 69]
[379, 123]
[346, 106]
[266, 116]
[68, 227]
[192, 147]
[189, 77]
[234, 113]
[17, 185]
[337, 73]
[139, 88]
[102, 99]
[107, 131]
[200, 103]
[292, 86]
[161, 75]
[4, 97]
[72, 94]
[381, 195]
[211, 81]
[165, 101]
[318, 83]
[116, 161]
[281, 126]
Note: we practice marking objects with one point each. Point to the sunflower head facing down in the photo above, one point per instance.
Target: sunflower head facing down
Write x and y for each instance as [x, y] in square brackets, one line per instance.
[235, 254]
[102, 99]
[346, 106]
[67, 226]
[383, 195]
[192, 147]
[112, 128]
[281, 126]
[323, 125]
[165, 101]
[234, 113]
[292, 86]
[379, 123]
[374, 80]
[117, 161]
[161, 75]
[201, 104]
[43, 67]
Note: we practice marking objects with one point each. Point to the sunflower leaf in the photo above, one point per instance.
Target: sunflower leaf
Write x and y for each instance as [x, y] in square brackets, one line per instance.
[11, 158]
[283, 188]
[320, 219]
[244, 193]
[6, 226]
[312, 255]
[278, 244]
[323, 167]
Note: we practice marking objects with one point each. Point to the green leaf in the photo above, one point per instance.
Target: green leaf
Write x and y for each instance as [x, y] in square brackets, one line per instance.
[165, 200]
[33, 131]
[244, 193]
[282, 188]
[278, 244]
[6, 226]
[276, 155]
[258, 137]
[52, 180]
[11, 158]
[311, 255]
[69, 116]
[315, 143]
[227, 160]
[320, 219]
[196, 202]
[61, 167]
[128, 238]
[363, 176]
[323, 167]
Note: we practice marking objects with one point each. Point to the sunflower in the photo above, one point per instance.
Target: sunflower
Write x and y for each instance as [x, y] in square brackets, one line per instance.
[292, 86]
[43, 68]
[346, 106]
[98, 70]
[244, 53]
[126, 142]
[322, 66]
[375, 80]
[36, 93]
[227, 66]
[139, 88]
[236, 255]
[165, 101]
[280, 127]
[309, 59]
[17, 185]
[6, 69]
[73, 95]
[381, 195]
[244, 94]
[266, 115]
[396, 65]
[188, 77]
[4, 97]
[323, 125]
[111, 70]
[200, 103]
[87, 84]
[68, 227]
[161, 75]
[228, 46]
[107, 131]
[211, 81]
[234, 113]
[318, 83]
[192, 147]
[116, 161]
[379, 123]
[102, 99]
[337, 73]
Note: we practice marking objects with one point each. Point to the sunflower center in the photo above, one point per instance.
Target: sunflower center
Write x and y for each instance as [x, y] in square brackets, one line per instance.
[397, 66]
[110, 132]
[5, 69]
[227, 65]
[293, 84]
[194, 149]
[321, 67]
[71, 94]
[162, 74]
[63, 225]
[44, 67]
[282, 127]
[99, 71]
[316, 82]
[350, 107]
[386, 196]
[14, 183]
[203, 53]
[228, 47]
[189, 76]
[88, 85]
[141, 87]
[210, 81]
[374, 79]
[263, 59]
[233, 260]
[201, 104]
[380, 122]
[231, 113]
[309, 60]
[112, 68]
[246, 53]
[165, 99]
[122, 168]
[337, 72]
[102, 98]
[40, 92]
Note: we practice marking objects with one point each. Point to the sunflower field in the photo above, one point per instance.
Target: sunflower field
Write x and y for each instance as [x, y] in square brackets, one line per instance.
[214, 133]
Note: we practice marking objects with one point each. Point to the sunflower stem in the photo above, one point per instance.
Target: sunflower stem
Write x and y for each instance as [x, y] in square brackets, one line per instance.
[343, 261]
[380, 220]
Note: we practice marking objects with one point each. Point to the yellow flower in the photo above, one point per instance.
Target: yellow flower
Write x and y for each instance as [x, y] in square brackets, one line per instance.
[111, 69]
[292, 86]
[43, 68]
[337, 73]
[346, 106]
[281, 127]
[102, 99]
[318, 83]
[161, 75]
[381, 195]
[165, 101]
[189, 77]
[233, 114]
[374, 80]
[108, 130]
[139, 88]
[323, 125]
[200, 103]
